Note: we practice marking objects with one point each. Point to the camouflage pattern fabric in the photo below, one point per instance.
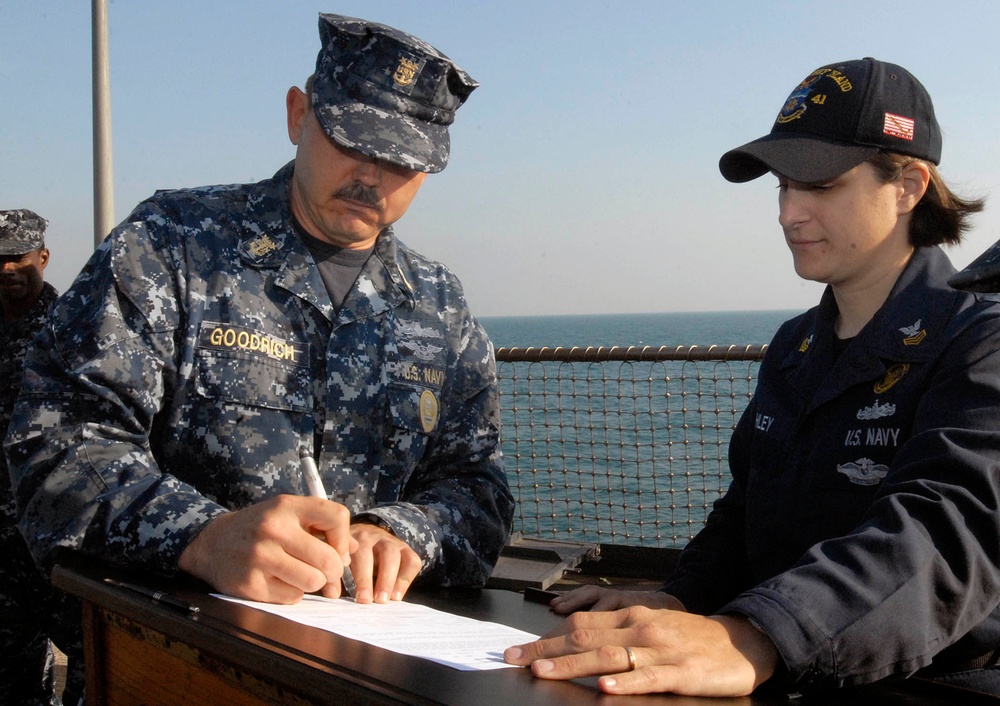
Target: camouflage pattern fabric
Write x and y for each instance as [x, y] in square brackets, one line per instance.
[386, 93]
[21, 231]
[198, 351]
[31, 611]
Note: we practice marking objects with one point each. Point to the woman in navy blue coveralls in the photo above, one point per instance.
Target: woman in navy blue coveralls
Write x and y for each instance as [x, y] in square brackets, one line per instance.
[860, 537]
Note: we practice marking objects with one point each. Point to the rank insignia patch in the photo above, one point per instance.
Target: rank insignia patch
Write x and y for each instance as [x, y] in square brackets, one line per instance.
[262, 246]
[914, 334]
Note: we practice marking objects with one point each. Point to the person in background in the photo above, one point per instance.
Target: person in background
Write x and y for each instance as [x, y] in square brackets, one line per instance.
[982, 274]
[222, 338]
[859, 539]
[32, 612]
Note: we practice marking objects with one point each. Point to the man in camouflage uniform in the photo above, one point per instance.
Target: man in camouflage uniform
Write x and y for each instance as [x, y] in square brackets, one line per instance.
[220, 332]
[31, 611]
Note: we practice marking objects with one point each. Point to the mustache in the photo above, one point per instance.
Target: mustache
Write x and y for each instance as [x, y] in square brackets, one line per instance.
[360, 193]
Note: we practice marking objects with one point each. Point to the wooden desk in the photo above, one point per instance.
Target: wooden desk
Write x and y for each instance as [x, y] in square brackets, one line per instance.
[142, 652]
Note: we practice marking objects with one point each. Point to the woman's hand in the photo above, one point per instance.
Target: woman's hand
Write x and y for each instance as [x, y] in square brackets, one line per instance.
[672, 651]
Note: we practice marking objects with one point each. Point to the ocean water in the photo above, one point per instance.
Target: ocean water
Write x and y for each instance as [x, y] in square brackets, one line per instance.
[622, 453]
[667, 329]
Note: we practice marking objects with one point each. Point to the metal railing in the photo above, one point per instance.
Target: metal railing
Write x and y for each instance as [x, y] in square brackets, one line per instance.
[620, 445]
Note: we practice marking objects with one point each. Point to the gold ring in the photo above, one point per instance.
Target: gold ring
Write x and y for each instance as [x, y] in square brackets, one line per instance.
[631, 659]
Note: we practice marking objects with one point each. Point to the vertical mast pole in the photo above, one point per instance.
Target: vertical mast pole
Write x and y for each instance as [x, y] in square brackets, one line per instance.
[104, 199]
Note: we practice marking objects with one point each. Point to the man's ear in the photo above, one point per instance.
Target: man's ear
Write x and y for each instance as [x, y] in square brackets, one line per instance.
[296, 106]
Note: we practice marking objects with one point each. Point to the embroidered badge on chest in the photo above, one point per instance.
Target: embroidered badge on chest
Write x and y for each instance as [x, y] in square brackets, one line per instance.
[864, 471]
[877, 411]
[892, 376]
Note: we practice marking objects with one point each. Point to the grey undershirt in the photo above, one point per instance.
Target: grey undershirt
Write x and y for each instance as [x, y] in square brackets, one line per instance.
[338, 267]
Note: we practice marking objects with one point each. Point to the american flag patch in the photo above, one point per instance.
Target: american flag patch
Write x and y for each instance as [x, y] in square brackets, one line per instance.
[898, 126]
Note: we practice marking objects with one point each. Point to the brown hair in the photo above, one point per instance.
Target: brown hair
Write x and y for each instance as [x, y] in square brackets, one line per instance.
[941, 217]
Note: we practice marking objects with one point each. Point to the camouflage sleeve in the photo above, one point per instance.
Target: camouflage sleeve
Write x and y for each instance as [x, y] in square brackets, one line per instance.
[456, 509]
[85, 477]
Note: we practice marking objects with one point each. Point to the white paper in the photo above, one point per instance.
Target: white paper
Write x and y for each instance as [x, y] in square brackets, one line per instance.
[407, 628]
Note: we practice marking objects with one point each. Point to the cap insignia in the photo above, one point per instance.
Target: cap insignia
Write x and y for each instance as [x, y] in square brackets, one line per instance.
[795, 104]
[406, 72]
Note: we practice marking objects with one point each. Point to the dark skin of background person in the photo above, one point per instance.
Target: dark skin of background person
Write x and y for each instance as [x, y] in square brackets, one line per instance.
[21, 282]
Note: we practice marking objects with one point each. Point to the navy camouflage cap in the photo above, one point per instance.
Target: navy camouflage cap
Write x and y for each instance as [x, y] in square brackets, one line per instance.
[386, 93]
[21, 231]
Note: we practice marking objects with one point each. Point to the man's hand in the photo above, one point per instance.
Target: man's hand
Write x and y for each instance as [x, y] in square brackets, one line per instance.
[596, 598]
[275, 551]
[384, 560]
[674, 652]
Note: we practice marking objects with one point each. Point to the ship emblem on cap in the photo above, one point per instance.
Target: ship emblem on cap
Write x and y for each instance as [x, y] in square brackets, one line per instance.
[406, 72]
[795, 104]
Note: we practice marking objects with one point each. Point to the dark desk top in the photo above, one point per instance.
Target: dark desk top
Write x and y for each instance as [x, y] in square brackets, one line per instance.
[317, 663]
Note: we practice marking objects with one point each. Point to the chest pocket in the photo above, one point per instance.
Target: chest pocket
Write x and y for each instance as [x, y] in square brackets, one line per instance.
[407, 436]
[414, 409]
[245, 367]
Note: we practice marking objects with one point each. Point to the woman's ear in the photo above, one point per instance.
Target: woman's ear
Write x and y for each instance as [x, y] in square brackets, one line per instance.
[914, 180]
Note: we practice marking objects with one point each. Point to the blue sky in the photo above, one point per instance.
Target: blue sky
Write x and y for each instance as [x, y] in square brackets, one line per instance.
[584, 171]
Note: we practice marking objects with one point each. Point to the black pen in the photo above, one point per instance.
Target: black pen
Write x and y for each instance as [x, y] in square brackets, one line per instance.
[158, 596]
